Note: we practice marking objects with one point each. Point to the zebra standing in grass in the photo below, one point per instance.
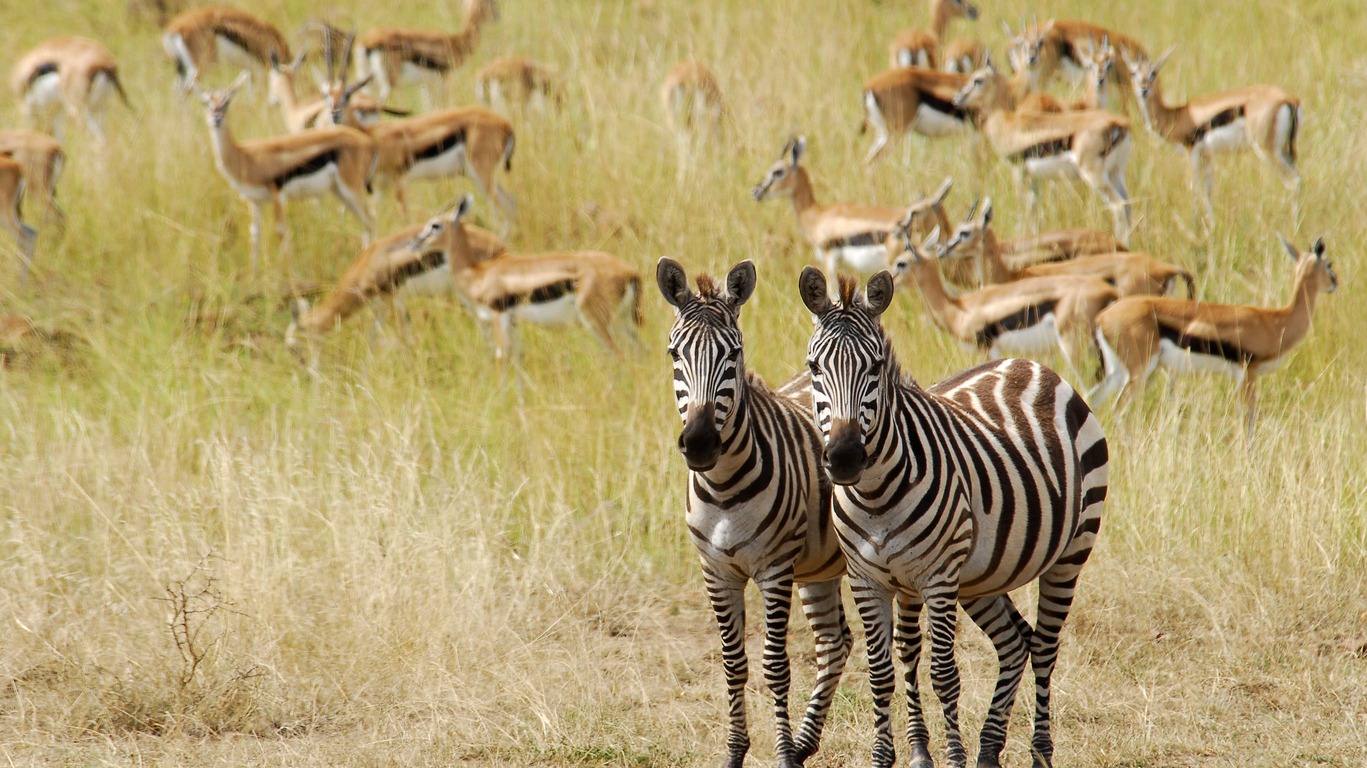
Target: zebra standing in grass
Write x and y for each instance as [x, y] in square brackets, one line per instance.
[758, 504]
[961, 492]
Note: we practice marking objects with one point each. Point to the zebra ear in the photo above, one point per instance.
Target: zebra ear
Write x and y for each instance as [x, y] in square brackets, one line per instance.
[878, 293]
[812, 287]
[669, 275]
[740, 283]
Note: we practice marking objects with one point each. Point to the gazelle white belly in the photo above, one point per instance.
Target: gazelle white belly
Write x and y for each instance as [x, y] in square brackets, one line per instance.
[1179, 360]
[1036, 339]
[234, 54]
[932, 122]
[861, 258]
[1070, 70]
[410, 73]
[558, 311]
[316, 183]
[45, 92]
[449, 163]
[1227, 138]
[1060, 166]
[433, 282]
[906, 57]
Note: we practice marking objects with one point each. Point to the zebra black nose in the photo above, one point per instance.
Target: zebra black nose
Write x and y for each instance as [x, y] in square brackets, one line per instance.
[845, 460]
[700, 442]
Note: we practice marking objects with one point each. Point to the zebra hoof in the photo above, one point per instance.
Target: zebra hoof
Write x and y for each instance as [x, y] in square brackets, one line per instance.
[920, 758]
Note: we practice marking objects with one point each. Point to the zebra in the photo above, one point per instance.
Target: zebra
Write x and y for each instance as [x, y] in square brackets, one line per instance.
[758, 504]
[958, 493]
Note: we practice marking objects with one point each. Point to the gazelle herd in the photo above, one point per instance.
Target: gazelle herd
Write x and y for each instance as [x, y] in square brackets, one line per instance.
[1077, 293]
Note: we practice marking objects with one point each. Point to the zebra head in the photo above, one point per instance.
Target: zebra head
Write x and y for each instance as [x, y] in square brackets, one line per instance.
[848, 356]
[705, 344]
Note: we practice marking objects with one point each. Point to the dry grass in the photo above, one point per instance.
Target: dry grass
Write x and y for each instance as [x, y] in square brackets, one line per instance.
[401, 564]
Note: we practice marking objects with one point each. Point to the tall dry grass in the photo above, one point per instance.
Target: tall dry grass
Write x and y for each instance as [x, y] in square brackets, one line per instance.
[207, 557]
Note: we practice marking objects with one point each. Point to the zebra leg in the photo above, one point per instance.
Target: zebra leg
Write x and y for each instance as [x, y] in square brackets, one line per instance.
[826, 616]
[909, 650]
[1010, 635]
[777, 591]
[728, 603]
[942, 604]
[1056, 589]
[875, 611]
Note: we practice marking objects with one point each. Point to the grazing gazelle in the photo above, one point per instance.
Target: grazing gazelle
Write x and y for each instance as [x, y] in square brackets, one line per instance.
[389, 268]
[42, 159]
[1130, 273]
[11, 201]
[467, 141]
[400, 56]
[1262, 118]
[75, 75]
[511, 81]
[1063, 45]
[921, 48]
[694, 109]
[339, 160]
[844, 234]
[758, 505]
[1093, 146]
[1139, 334]
[1028, 317]
[542, 288]
[199, 37]
[1098, 63]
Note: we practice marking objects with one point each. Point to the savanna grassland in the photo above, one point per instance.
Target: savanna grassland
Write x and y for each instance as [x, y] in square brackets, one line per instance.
[209, 557]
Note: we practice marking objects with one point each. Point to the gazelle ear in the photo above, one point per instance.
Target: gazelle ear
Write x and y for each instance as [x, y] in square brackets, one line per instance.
[275, 59]
[1157, 65]
[304, 54]
[933, 239]
[1289, 248]
[799, 149]
[878, 293]
[1317, 247]
[740, 282]
[812, 287]
[987, 62]
[673, 282]
[354, 87]
[987, 211]
[467, 202]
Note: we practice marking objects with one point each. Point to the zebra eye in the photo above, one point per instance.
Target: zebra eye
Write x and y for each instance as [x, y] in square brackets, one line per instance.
[673, 354]
[813, 367]
[876, 369]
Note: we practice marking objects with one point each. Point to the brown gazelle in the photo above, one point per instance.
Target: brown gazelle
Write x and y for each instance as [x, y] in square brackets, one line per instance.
[11, 201]
[543, 288]
[1139, 334]
[1092, 145]
[912, 99]
[1098, 64]
[1061, 45]
[300, 115]
[514, 81]
[844, 234]
[71, 75]
[388, 268]
[468, 141]
[1026, 317]
[921, 47]
[400, 56]
[339, 160]
[201, 37]
[1262, 118]
[694, 109]
[1131, 273]
[42, 159]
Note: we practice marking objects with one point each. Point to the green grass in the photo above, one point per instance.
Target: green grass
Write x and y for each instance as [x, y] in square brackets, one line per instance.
[400, 562]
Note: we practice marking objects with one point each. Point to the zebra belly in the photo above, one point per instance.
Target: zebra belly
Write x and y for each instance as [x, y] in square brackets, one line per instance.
[934, 123]
[448, 163]
[1179, 360]
[1060, 166]
[313, 184]
[557, 311]
[433, 282]
[862, 258]
[45, 91]
[1031, 340]
[1226, 138]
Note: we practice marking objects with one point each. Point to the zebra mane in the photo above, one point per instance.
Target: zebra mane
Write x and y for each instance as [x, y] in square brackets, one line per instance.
[707, 287]
[848, 288]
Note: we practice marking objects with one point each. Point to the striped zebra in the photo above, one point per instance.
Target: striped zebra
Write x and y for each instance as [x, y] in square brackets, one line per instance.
[959, 493]
[758, 505]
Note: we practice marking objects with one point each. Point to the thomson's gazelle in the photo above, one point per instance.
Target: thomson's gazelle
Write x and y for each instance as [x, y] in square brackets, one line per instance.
[844, 234]
[399, 56]
[512, 81]
[912, 99]
[543, 288]
[200, 37]
[75, 75]
[1093, 146]
[1061, 45]
[337, 160]
[1262, 118]
[42, 159]
[921, 48]
[1139, 334]
[11, 200]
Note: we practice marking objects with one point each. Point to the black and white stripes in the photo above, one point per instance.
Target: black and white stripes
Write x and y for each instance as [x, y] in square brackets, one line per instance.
[961, 492]
[758, 505]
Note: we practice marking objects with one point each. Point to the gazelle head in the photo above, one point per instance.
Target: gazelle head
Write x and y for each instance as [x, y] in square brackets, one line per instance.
[782, 174]
[914, 260]
[969, 235]
[709, 361]
[1144, 74]
[440, 230]
[1099, 63]
[1312, 270]
[280, 78]
[959, 9]
[336, 93]
[850, 358]
[216, 102]
[981, 90]
[1024, 48]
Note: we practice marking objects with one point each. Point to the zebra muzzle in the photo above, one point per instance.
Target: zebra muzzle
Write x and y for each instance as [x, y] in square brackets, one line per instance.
[700, 442]
[845, 458]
